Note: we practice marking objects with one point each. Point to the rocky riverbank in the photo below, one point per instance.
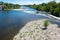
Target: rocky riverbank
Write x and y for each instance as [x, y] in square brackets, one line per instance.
[34, 31]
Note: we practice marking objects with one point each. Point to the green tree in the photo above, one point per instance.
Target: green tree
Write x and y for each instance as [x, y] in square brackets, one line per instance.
[57, 12]
[52, 7]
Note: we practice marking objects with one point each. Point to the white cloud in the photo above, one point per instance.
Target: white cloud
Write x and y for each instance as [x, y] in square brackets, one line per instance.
[26, 2]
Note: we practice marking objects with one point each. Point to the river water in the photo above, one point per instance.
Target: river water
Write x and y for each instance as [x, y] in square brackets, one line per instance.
[11, 21]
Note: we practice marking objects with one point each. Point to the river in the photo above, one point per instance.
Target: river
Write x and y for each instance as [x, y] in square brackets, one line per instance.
[11, 21]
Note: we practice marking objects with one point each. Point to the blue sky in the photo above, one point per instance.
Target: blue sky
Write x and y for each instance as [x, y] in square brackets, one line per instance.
[26, 2]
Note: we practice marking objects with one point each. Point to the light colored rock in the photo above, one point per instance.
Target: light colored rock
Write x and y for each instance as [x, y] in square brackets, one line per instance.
[34, 31]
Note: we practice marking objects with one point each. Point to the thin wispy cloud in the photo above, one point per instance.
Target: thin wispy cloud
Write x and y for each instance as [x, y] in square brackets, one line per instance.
[26, 2]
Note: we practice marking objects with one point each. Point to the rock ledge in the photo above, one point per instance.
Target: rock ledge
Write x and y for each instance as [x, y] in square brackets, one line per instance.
[34, 31]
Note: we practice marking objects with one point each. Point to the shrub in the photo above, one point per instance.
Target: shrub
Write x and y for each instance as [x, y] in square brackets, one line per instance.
[46, 23]
[37, 12]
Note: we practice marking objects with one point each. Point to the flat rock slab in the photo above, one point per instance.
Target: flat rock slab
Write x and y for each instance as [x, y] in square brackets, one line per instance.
[34, 31]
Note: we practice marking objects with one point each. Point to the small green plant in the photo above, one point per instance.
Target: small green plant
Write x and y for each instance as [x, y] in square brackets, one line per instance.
[34, 37]
[46, 24]
[37, 12]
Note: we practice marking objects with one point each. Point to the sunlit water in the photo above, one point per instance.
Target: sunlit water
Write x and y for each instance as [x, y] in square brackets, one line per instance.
[12, 21]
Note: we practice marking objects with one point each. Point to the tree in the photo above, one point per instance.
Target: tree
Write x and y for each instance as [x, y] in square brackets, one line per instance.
[57, 12]
[1, 3]
[52, 7]
[9, 6]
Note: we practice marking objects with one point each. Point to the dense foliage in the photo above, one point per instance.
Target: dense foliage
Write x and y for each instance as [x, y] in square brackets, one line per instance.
[7, 6]
[52, 7]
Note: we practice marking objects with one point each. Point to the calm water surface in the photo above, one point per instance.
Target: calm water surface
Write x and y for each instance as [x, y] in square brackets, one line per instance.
[12, 21]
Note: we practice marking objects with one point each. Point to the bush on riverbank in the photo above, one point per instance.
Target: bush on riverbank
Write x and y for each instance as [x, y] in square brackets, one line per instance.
[46, 24]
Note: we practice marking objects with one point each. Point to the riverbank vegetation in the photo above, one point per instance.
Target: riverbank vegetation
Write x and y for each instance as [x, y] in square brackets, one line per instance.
[46, 24]
[52, 7]
[7, 6]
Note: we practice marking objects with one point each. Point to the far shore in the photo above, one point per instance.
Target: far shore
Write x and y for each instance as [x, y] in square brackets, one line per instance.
[11, 9]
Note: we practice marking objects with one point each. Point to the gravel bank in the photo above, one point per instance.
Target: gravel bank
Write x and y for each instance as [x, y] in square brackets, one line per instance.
[34, 31]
